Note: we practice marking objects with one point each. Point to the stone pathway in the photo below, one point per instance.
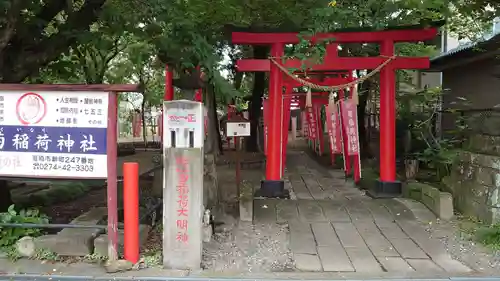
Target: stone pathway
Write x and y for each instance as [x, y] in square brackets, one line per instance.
[334, 227]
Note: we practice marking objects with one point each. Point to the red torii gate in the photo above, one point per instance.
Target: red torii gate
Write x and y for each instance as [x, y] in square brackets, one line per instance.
[387, 186]
[320, 98]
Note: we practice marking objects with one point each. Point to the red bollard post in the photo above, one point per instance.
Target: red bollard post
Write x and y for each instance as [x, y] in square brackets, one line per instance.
[131, 210]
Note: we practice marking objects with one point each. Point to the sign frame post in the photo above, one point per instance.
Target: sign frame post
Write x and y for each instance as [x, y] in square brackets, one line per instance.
[238, 127]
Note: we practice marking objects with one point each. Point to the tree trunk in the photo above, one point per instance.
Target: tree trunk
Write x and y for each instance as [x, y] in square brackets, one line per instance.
[411, 169]
[259, 86]
[144, 125]
[213, 140]
[363, 136]
[5, 196]
[238, 78]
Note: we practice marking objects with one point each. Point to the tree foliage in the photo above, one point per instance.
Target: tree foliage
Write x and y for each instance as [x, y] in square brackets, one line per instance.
[130, 41]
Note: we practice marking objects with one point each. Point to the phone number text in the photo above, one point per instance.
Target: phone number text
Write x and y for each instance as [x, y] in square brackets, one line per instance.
[63, 167]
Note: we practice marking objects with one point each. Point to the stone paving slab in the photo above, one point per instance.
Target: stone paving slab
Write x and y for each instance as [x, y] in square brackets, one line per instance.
[265, 210]
[325, 235]
[395, 264]
[311, 211]
[363, 260]
[407, 248]
[334, 212]
[335, 259]
[424, 265]
[305, 262]
[398, 210]
[379, 245]
[314, 187]
[335, 228]
[286, 211]
[300, 189]
[300, 228]
[348, 235]
[302, 239]
[451, 265]
[433, 247]
[366, 227]
[359, 213]
[392, 231]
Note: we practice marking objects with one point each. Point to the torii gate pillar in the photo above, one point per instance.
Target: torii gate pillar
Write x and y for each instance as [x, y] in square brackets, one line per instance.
[388, 185]
[273, 185]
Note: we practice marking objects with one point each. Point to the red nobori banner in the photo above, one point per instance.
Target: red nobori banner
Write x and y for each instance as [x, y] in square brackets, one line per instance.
[333, 125]
[311, 122]
[349, 112]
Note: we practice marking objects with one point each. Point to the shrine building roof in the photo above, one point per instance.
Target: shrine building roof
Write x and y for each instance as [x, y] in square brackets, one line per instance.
[485, 47]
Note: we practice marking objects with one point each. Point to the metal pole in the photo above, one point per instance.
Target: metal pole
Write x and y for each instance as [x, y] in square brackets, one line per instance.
[131, 211]
[238, 165]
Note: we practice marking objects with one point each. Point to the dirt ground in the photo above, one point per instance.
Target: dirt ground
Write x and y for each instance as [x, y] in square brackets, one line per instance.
[67, 211]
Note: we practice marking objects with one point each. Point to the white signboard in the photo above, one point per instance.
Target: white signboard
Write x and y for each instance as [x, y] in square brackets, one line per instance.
[183, 124]
[53, 134]
[238, 129]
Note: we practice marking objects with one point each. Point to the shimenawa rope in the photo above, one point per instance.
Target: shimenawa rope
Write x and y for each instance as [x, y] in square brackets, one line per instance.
[330, 89]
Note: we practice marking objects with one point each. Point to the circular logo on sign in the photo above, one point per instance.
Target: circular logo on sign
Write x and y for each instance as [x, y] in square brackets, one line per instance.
[31, 108]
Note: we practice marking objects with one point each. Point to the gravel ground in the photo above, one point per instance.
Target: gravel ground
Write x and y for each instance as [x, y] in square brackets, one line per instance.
[243, 247]
[462, 246]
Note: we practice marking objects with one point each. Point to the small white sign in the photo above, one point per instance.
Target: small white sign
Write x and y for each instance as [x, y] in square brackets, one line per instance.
[238, 129]
[183, 124]
[53, 134]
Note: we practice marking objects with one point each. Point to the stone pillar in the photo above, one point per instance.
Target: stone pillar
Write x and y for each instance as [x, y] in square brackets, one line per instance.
[182, 208]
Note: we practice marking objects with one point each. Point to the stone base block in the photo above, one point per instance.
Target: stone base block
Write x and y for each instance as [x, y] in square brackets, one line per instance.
[75, 246]
[101, 243]
[75, 241]
[385, 189]
[440, 203]
[445, 206]
[246, 210]
[272, 189]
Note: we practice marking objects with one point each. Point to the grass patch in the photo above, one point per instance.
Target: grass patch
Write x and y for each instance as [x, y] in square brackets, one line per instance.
[489, 236]
[474, 230]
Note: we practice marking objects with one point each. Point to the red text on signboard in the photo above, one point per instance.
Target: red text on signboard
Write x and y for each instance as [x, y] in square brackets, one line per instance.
[311, 122]
[182, 199]
[190, 118]
[350, 124]
[333, 121]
